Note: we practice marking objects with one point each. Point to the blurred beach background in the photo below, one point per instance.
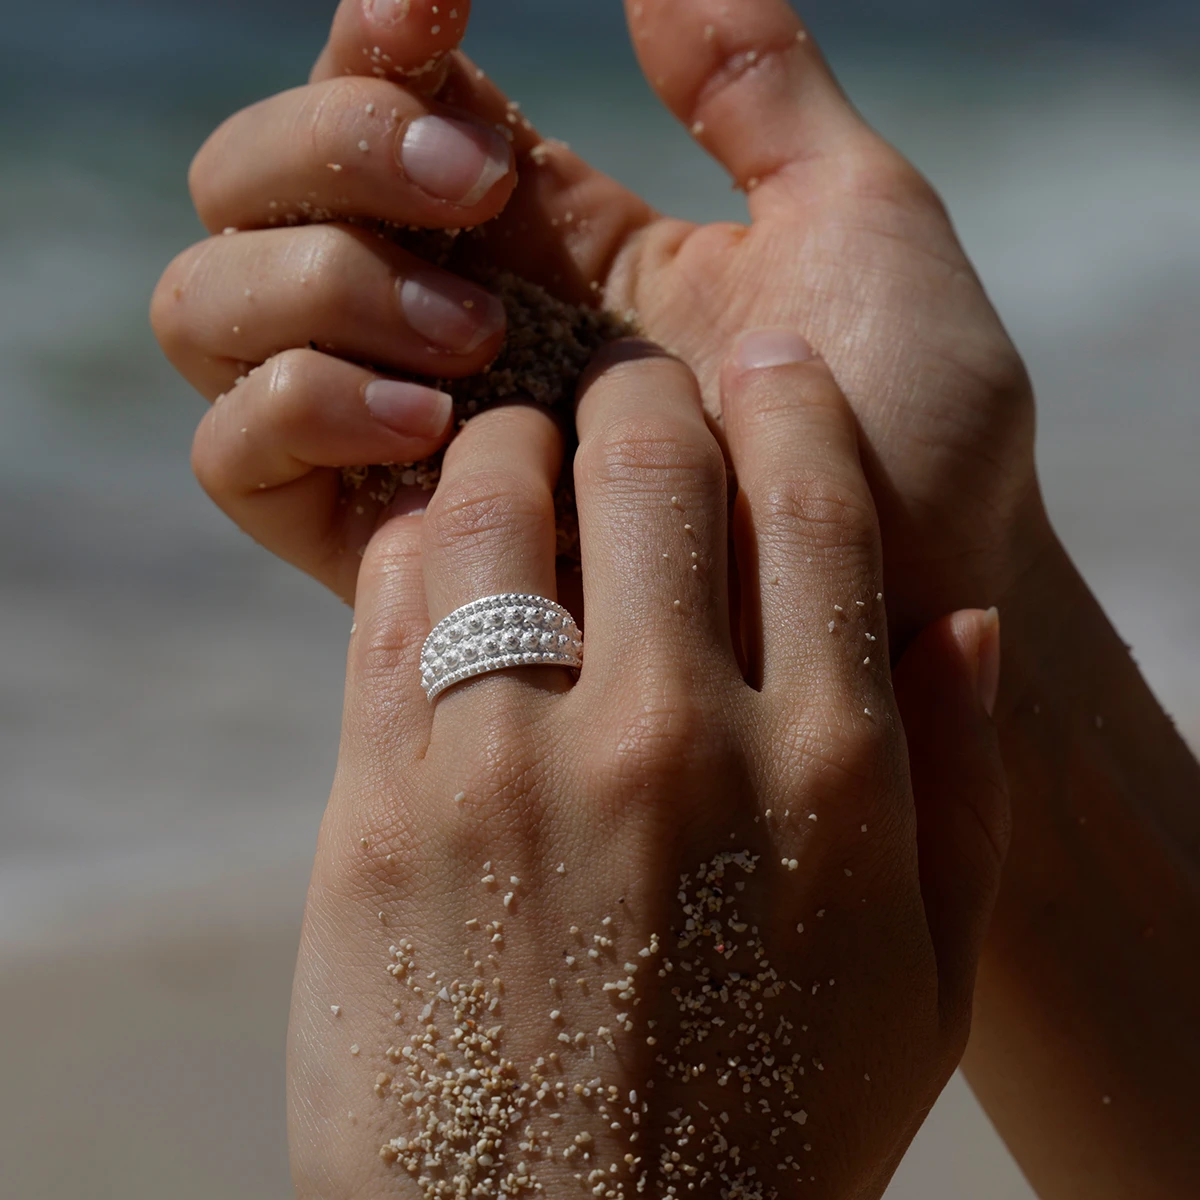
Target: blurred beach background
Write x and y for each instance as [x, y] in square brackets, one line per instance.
[170, 695]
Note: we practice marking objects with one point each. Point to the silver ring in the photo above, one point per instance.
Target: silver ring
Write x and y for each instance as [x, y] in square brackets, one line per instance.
[497, 632]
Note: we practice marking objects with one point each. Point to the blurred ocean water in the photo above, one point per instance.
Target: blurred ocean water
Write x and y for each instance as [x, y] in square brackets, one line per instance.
[169, 695]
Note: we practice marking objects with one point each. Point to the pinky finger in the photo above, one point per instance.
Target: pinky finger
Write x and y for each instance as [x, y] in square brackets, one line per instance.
[946, 689]
[270, 455]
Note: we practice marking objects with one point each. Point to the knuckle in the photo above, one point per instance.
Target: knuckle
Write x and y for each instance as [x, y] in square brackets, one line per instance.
[817, 509]
[170, 313]
[392, 558]
[327, 253]
[858, 752]
[506, 768]
[278, 393]
[1006, 377]
[394, 625]
[880, 172]
[287, 371]
[392, 644]
[661, 737]
[842, 759]
[473, 511]
[633, 455]
[645, 369]
[327, 113]
[286, 388]
[775, 399]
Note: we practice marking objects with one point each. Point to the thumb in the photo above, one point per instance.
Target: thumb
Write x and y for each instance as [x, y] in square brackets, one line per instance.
[946, 686]
[750, 84]
[408, 41]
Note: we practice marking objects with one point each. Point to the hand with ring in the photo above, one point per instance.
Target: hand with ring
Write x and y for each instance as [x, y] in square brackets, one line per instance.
[643, 926]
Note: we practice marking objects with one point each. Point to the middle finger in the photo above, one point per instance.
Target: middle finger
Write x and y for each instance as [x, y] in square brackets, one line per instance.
[650, 484]
[228, 302]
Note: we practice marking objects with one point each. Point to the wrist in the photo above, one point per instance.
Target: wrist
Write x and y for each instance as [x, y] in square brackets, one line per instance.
[1087, 984]
[1043, 603]
[1102, 785]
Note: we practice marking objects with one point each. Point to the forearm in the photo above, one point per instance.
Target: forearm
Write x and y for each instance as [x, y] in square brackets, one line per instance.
[1086, 1044]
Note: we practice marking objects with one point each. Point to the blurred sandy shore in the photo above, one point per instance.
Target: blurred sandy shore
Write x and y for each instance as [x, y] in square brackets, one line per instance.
[150, 1070]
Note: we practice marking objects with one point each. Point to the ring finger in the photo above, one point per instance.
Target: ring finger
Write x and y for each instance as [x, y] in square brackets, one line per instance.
[490, 528]
[233, 302]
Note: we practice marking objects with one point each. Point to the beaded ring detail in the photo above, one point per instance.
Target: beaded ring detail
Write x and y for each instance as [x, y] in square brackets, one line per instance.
[497, 632]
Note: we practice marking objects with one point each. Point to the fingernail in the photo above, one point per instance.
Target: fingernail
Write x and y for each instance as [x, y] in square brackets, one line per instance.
[760, 349]
[409, 408]
[455, 316]
[386, 12]
[987, 677]
[453, 160]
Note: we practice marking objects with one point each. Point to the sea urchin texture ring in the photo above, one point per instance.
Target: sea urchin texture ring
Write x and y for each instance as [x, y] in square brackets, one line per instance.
[511, 630]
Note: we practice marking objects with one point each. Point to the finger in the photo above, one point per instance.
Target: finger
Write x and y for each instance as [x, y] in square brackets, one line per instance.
[750, 84]
[490, 527]
[383, 678]
[565, 223]
[395, 39]
[269, 456]
[946, 687]
[351, 148]
[650, 486]
[806, 532]
[240, 300]
[324, 67]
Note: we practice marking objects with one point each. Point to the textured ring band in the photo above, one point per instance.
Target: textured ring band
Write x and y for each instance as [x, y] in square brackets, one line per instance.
[497, 632]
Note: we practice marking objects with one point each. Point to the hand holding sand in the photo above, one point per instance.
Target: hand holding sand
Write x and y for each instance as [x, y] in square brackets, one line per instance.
[846, 242]
[655, 931]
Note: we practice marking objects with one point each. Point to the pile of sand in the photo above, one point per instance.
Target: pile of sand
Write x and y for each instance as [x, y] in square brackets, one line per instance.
[548, 345]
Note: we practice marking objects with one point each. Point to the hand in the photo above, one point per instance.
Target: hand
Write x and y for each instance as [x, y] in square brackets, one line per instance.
[498, 967]
[846, 241]
[301, 331]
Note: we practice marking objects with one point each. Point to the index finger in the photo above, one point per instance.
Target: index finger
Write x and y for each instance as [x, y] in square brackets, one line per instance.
[394, 39]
